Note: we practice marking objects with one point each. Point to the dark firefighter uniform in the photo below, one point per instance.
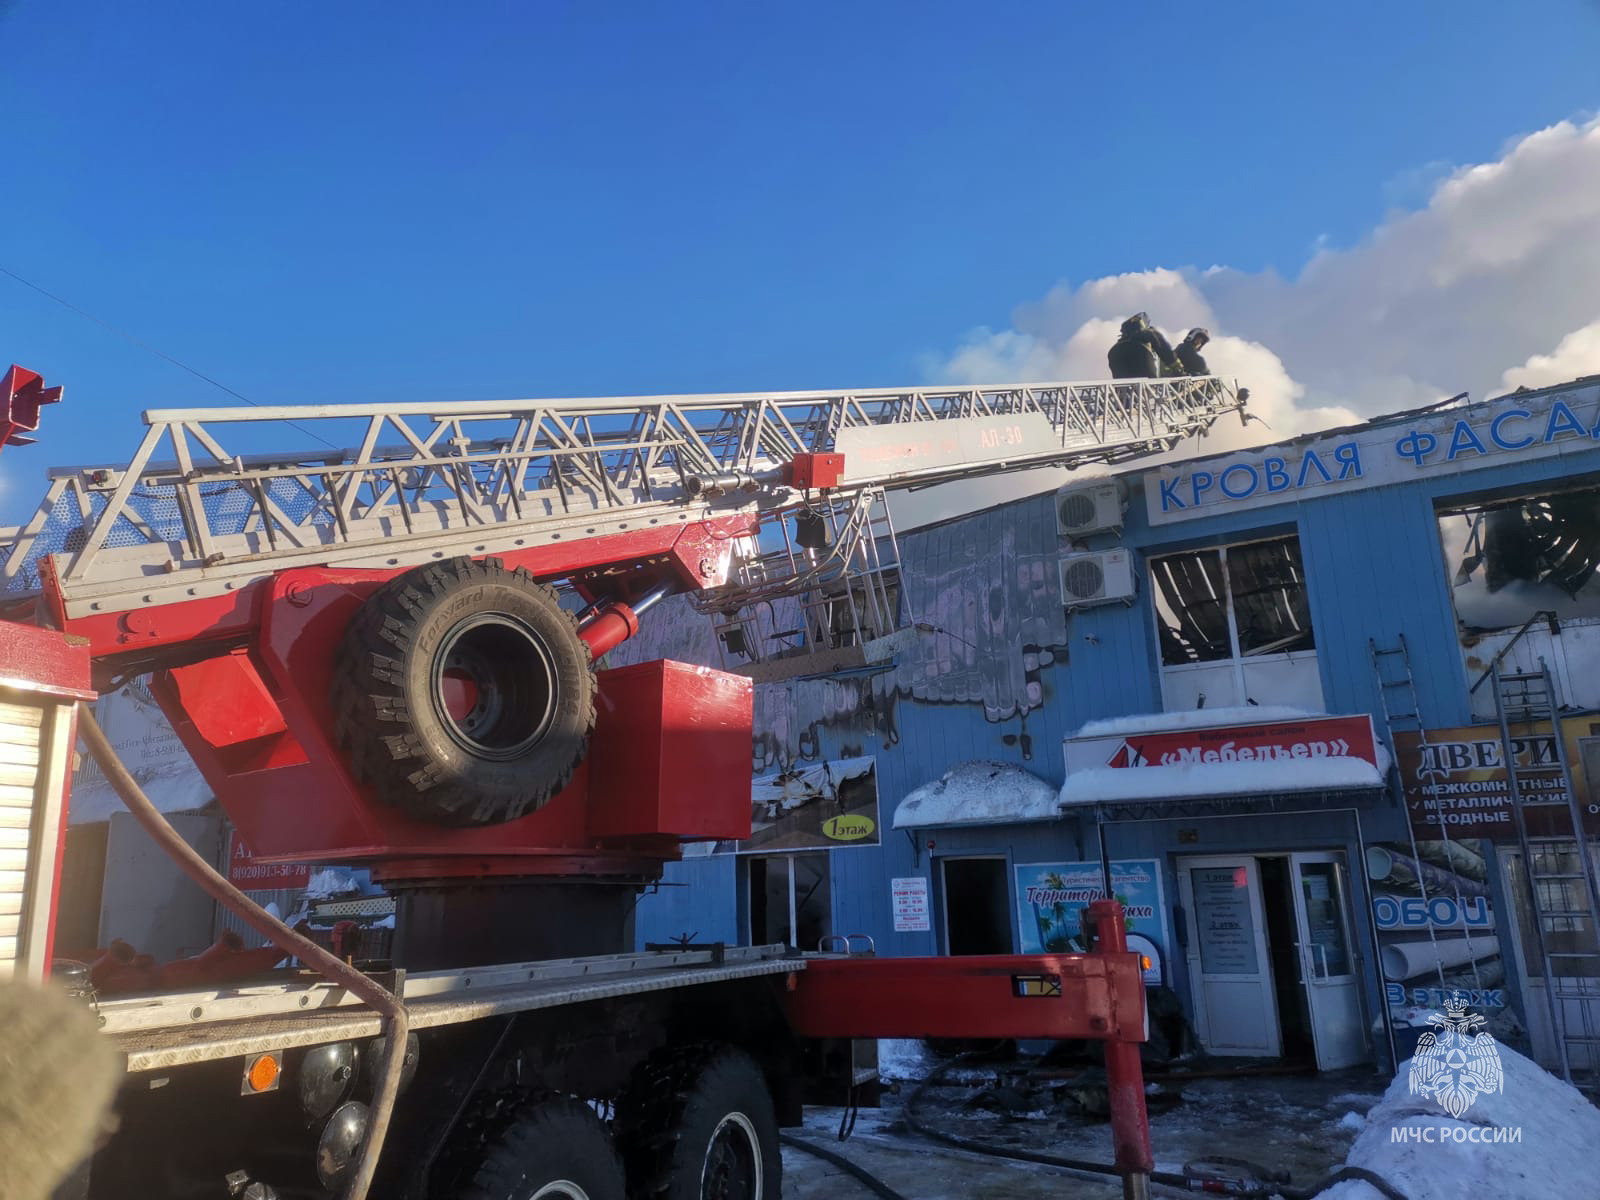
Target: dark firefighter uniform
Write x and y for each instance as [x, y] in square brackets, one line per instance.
[1142, 352]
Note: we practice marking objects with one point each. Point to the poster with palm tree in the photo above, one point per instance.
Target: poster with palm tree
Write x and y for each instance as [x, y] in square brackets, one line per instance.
[1051, 897]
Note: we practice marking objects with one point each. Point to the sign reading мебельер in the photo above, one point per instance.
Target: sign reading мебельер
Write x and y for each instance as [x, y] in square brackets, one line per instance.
[1511, 428]
[1312, 737]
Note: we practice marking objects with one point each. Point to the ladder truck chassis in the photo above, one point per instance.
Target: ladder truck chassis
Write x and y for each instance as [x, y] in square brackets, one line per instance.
[360, 652]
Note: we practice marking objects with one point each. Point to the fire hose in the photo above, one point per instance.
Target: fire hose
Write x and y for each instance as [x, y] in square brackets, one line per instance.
[382, 1001]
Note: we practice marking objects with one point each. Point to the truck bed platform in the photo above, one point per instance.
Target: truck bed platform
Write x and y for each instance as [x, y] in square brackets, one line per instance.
[158, 1032]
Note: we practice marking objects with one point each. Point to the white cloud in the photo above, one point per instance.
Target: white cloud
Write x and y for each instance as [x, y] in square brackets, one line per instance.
[1501, 264]
[1578, 354]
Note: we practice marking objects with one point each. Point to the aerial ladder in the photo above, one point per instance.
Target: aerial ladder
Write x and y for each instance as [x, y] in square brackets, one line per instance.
[365, 652]
[361, 645]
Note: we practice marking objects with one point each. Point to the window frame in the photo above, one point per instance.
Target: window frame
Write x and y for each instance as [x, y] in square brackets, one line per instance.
[794, 907]
[1468, 504]
[1236, 659]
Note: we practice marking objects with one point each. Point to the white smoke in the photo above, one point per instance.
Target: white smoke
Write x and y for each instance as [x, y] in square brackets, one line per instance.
[1493, 283]
[1576, 355]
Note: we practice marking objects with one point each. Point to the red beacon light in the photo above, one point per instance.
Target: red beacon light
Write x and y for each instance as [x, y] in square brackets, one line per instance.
[22, 394]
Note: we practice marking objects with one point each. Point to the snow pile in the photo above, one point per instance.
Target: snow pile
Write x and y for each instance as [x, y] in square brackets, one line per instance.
[332, 882]
[979, 793]
[1107, 785]
[904, 1059]
[1559, 1132]
[1196, 718]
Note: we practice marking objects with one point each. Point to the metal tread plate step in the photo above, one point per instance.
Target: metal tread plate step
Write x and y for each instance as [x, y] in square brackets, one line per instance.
[158, 1033]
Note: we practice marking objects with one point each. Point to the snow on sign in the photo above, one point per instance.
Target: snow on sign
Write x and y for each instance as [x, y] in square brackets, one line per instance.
[910, 897]
[248, 875]
[1278, 741]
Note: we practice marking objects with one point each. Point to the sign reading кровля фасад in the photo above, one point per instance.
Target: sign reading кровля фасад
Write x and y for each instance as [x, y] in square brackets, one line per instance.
[1520, 426]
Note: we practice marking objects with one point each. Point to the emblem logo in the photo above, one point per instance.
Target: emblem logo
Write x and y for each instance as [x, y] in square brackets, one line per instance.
[1455, 1065]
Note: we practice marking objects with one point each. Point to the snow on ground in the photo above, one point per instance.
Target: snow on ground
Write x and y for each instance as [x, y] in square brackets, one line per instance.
[1099, 785]
[903, 1059]
[978, 793]
[1559, 1133]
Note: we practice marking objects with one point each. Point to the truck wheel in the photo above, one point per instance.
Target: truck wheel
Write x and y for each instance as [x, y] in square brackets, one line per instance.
[463, 694]
[556, 1150]
[697, 1123]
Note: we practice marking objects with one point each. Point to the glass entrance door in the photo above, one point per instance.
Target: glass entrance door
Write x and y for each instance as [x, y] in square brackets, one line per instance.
[1236, 1005]
[1327, 960]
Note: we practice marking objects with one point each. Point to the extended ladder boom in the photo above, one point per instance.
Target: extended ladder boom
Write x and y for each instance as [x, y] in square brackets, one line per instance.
[194, 514]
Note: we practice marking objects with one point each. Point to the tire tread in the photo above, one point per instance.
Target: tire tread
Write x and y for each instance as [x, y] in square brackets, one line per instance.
[373, 723]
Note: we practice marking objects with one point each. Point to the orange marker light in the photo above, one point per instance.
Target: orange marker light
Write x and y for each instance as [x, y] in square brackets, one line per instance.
[1144, 962]
[263, 1073]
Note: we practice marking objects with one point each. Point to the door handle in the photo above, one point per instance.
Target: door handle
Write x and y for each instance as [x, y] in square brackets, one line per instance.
[1322, 951]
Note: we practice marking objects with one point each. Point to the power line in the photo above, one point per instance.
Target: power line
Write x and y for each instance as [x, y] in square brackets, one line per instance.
[144, 345]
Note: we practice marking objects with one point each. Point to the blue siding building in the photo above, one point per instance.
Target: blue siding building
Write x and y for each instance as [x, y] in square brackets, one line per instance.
[1291, 911]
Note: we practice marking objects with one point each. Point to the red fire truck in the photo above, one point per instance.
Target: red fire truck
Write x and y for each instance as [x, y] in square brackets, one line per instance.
[383, 651]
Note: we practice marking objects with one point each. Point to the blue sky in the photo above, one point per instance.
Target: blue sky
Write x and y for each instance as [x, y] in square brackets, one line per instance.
[367, 202]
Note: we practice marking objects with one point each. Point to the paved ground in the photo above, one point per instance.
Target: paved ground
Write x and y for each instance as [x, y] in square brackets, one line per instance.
[1300, 1123]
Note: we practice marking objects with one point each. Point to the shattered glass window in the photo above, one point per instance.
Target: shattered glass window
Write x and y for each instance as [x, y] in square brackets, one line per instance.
[1262, 585]
[1511, 560]
[1191, 607]
[1270, 608]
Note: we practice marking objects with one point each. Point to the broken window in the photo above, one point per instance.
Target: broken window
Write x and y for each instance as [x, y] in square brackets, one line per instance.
[790, 900]
[1512, 561]
[1191, 607]
[1267, 583]
[1233, 602]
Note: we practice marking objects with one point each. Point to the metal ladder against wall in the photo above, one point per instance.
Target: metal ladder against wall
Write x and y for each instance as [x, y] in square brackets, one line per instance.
[1558, 870]
[1397, 691]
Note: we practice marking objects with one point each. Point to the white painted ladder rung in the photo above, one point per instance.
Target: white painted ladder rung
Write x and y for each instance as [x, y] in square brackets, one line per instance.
[429, 481]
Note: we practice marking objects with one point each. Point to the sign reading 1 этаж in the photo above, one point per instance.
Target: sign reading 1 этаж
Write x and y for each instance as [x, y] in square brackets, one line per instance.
[1513, 427]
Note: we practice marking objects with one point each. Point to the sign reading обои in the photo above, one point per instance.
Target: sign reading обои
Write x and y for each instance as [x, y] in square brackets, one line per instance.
[1513, 427]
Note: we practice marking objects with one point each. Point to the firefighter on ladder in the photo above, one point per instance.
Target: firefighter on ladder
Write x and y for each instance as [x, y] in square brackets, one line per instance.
[1142, 352]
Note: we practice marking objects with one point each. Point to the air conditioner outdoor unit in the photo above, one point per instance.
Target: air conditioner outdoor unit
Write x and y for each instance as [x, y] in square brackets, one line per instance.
[1085, 508]
[1103, 578]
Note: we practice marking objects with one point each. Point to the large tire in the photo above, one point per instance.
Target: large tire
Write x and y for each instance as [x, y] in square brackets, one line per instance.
[554, 1150]
[463, 694]
[697, 1123]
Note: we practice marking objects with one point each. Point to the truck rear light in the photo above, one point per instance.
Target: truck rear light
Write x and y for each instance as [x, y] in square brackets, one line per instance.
[261, 1075]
